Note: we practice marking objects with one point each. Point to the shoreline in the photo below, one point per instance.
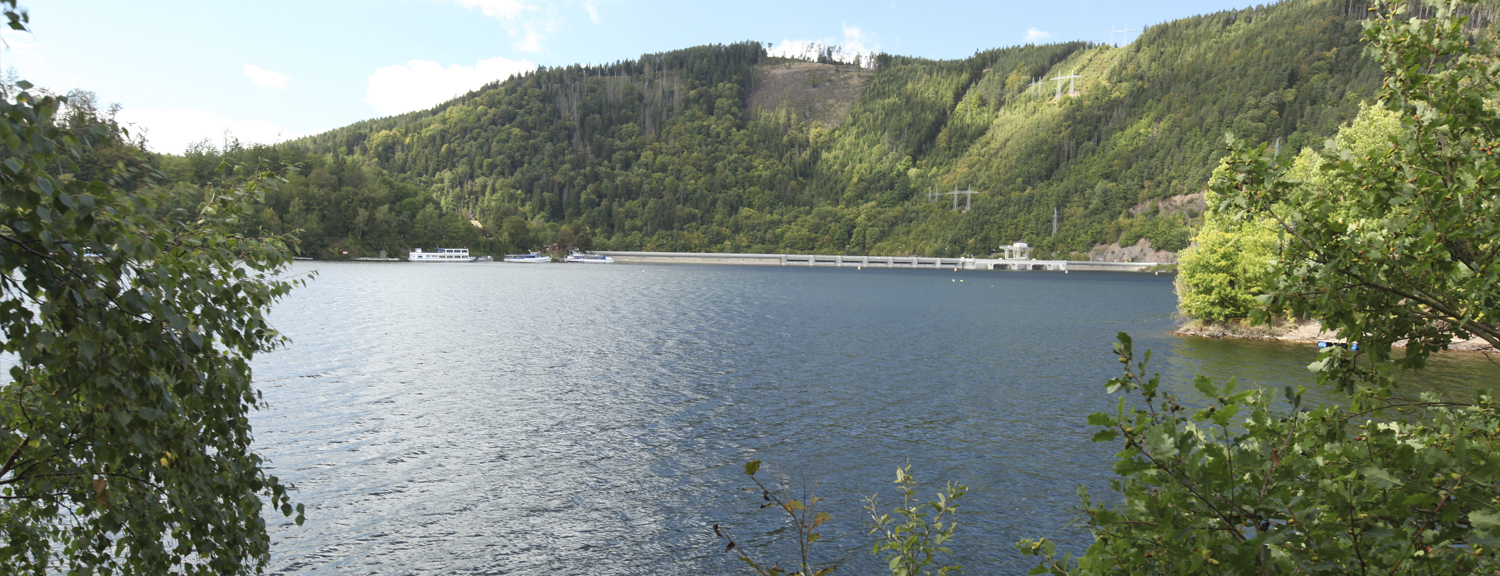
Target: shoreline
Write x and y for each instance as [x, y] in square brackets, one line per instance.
[1297, 331]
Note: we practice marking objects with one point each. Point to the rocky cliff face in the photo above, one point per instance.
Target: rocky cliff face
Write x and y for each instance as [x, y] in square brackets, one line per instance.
[1141, 251]
[1189, 206]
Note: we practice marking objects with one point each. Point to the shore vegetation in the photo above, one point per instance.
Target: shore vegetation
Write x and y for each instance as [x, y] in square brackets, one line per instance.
[1387, 235]
[130, 309]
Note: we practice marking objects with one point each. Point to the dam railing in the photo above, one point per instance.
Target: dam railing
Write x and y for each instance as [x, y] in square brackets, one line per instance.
[871, 261]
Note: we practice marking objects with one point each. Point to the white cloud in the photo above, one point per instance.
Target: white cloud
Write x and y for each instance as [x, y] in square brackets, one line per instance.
[21, 53]
[502, 10]
[170, 131]
[1033, 35]
[266, 78]
[531, 40]
[795, 48]
[421, 84]
[854, 39]
[527, 23]
[853, 44]
[592, 10]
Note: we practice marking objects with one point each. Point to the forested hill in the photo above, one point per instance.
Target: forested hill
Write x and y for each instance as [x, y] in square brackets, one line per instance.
[667, 152]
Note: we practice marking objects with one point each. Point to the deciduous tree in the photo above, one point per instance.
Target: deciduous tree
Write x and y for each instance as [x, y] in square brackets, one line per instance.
[1384, 239]
[125, 443]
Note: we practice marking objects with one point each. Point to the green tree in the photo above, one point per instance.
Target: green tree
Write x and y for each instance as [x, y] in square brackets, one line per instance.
[1222, 273]
[1219, 277]
[1222, 276]
[124, 426]
[1391, 234]
[518, 233]
[1386, 242]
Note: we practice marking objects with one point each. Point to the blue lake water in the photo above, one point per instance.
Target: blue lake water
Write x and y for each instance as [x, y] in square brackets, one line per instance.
[496, 418]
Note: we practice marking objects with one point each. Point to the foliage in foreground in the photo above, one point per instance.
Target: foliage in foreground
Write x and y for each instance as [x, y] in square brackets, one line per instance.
[800, 513]
[124, 426]
[1240, 487]
[1384, 243]
[911, 542]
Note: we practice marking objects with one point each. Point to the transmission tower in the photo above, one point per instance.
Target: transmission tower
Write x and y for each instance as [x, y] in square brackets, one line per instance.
[968, 200]
[1071, 78]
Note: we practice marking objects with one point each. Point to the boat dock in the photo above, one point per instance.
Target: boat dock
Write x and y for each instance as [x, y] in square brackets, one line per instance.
[1013, 264]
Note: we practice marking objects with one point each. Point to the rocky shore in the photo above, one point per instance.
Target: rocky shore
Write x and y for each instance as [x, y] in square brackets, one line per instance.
[1293, 331]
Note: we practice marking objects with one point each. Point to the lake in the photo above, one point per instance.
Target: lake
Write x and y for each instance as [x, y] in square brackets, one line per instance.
[494, 418]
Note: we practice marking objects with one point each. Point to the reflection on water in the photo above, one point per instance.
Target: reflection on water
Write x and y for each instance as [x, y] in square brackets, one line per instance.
[1453, 375]
[569, 419]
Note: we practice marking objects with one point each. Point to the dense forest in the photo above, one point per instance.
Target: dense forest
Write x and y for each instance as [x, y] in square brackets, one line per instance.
[667, 152]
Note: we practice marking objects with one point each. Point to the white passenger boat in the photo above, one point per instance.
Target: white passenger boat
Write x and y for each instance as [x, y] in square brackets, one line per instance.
[442, 255]
[528, 258]
[589, 258]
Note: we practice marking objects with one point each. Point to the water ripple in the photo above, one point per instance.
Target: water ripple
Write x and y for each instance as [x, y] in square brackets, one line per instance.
[505, 419]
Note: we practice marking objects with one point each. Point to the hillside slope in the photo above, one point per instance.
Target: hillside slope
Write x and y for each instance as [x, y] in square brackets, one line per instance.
[718, 148]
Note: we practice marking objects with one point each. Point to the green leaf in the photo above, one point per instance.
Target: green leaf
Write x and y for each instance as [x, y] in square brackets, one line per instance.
[752, 467]
[1205, 386]
[1380, 477]
[1485, 520]
[820, 518]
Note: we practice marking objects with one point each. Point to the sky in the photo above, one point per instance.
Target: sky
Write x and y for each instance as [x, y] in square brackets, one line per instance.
[274, 70]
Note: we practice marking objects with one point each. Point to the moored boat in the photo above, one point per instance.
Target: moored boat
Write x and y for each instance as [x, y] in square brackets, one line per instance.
[442, 255]
[588, 258]
[528, 258]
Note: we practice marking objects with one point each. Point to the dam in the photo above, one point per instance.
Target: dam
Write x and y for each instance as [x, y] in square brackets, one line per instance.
[933, 263]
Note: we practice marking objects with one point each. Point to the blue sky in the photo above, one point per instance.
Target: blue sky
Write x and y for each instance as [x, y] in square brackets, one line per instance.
[270, 70]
